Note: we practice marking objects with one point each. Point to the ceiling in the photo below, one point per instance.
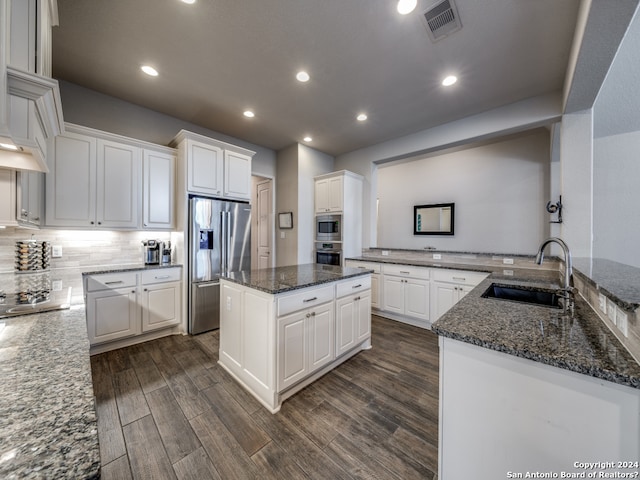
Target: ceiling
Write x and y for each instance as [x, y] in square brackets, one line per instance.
[217, 58]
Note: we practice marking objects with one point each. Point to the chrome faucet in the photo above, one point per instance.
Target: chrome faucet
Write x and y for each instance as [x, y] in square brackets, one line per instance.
[567, 290]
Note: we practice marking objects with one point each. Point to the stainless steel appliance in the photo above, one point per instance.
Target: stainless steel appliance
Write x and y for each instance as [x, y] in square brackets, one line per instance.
[329, 228]
[329, 253]
[152, 252]
[219, 242]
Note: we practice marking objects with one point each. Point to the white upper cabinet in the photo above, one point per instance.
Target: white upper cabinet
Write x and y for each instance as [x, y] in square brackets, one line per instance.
[237, 175]
[118, 185]
[158, 190]
[330, 195]
[212, 167]
[7, 197]
[71, 182]
[30, 36]
[204, 168]
[29, 199]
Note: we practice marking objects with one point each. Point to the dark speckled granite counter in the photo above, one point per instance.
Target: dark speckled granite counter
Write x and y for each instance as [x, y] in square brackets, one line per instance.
[581, 343]
[285, 279]
[125, 268]
[48, 423]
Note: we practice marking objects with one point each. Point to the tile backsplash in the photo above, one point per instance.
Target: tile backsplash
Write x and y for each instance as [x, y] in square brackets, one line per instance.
[80, 251]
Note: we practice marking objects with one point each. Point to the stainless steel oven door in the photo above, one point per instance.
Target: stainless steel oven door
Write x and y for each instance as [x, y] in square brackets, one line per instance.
[329, 257]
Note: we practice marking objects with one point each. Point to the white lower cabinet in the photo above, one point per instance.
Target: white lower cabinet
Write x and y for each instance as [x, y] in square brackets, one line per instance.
[406, 293]
[126, 305]
[275, 345]
[305, 342]
[448, 287]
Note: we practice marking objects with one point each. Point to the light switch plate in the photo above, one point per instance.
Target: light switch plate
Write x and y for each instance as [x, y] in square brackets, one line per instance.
[56, 285]
[385, 253]
[437, 256]
[507, 261]
[56, 251]
[282, 234]
[602, 303]
[611, 311]
[621, 321]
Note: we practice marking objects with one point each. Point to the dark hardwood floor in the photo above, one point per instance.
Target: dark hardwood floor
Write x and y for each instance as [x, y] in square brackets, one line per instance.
[166, 409]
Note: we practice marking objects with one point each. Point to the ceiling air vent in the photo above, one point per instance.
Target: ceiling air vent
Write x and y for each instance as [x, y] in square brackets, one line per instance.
[441, 20]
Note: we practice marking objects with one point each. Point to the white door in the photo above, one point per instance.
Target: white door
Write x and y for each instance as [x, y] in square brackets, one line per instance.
[112, 314]
[160, 306]
[237, 175]
[292, 349]
[336, 190]
[444, 297]
[71, 182]
[417, 298]
[204, 168]
[118, 184]
[158, 190]
[321, 337]
[264, 225]
[322, 196]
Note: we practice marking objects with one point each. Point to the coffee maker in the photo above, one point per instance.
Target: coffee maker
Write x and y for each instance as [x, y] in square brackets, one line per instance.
[152, 252]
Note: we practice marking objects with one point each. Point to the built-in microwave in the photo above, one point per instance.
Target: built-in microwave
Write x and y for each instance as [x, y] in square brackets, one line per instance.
[329, 228]
[328, 254]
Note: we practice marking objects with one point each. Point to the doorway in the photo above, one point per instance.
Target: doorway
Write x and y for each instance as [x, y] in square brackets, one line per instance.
[262, 223]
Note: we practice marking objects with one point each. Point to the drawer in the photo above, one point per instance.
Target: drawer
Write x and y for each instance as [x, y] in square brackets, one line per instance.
[161, 275]
[353, 285]
[304, 299]
[105, 281]
[406, 271]
[458, 276]
[376, 267]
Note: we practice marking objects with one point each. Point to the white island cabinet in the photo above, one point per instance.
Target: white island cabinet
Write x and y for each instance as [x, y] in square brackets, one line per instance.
[276, 338]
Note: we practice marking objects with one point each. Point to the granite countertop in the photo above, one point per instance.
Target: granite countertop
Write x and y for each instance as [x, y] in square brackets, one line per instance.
[126, 268]
[48, 423]
[580, 343]
[618, 281]
[295, 277]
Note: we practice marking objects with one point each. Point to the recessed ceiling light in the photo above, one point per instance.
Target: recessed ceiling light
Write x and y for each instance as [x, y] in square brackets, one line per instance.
[406, 6]
[249, 114]
[362, 117]
[152, 72]
[303, 76]
[8, 146]
[307, 139]
[189, 1]
[450, 80]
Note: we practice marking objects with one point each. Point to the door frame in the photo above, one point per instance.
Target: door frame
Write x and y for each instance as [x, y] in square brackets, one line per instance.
[255, 181]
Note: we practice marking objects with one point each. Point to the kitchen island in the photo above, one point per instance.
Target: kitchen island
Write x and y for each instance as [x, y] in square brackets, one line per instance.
[48, 425]
[282, 328]
[526, 388]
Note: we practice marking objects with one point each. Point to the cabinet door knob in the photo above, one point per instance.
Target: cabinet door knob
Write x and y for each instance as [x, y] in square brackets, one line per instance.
[91, 222]
[133, 291]
[308, 315]
[99, 223]
[145, 290]
[313, 314]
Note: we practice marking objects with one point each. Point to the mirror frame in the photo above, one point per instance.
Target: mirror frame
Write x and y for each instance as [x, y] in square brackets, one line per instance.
[433, 232]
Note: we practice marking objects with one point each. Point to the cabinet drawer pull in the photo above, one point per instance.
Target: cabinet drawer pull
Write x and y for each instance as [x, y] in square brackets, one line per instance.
[115, 282]
[309, 299]
[161, 277]
[459, 278]
[402, 271]
[357, 286]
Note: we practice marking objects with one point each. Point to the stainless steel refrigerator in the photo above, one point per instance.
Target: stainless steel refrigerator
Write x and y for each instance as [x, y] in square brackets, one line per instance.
[219, 242]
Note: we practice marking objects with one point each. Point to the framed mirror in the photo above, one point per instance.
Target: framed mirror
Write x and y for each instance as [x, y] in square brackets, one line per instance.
[435, 219]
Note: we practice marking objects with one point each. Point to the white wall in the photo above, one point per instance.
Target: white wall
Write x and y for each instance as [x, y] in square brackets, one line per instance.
[500, 191]
[517, 117]
[103, 112]
[616, 214]
[311, 163]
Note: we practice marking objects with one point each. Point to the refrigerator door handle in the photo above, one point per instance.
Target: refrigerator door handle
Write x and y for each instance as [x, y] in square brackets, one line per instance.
[228, 241]
[223, 242]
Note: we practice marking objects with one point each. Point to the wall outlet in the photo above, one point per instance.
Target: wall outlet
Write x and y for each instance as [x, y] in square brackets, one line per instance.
[385, 253]
[602, 303]
[437, 256]
[56, 251]
[508, 273]
[507, 261]
[611, 311]
[56, 285]
[621, 321]
[228, 304]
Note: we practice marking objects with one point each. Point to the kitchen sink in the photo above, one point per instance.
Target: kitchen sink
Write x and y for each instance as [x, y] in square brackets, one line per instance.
[516, 293]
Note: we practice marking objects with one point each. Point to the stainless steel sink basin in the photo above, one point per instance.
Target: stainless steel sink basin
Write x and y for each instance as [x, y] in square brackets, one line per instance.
[515, 293]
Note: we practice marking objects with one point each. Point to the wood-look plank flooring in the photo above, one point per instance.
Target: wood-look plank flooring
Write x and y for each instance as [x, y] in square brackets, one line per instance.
[167, 410]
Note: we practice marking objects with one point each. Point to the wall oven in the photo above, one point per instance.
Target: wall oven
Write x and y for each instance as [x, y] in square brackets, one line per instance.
[329, 228]
[328, 254]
